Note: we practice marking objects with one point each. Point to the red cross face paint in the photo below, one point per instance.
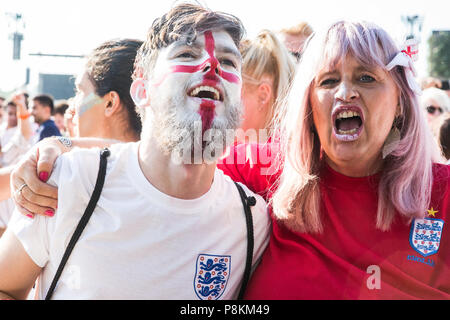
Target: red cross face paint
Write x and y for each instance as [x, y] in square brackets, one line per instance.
[202, 77]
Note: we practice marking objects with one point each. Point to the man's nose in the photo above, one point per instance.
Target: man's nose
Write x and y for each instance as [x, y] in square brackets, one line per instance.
[212, 66]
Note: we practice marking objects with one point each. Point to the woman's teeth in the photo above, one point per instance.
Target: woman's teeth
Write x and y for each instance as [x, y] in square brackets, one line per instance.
[347, 114]
[352, 131]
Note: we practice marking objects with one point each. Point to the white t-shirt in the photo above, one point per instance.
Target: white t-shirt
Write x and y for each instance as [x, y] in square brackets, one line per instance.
[141, 243]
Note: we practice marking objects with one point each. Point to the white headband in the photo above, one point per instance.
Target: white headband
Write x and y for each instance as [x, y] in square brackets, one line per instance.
[404, 59]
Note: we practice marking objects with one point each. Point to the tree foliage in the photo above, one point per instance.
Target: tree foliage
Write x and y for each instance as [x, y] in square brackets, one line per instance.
[439, 58]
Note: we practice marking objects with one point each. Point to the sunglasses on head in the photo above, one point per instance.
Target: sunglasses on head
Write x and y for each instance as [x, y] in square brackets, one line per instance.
[432, 109]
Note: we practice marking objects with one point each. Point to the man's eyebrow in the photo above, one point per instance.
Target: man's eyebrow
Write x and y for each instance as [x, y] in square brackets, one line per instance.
[228, 49]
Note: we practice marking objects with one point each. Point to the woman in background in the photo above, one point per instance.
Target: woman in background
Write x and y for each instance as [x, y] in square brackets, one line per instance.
[267, 72]
[434, 102]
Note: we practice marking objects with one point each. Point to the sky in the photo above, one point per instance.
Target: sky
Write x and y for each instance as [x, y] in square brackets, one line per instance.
[76, 27]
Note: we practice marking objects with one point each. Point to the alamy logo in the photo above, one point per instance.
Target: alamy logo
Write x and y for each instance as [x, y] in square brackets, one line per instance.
[211, 276]
[374, 280]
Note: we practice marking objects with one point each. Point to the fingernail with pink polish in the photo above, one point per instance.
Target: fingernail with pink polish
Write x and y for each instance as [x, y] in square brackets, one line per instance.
[30, 216]
[43, 176]
[49, 213]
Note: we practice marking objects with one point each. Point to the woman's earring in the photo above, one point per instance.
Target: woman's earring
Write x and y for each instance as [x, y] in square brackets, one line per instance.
[392, 140]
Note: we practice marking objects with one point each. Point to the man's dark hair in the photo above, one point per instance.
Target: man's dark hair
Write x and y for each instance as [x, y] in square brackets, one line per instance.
[45, 100]
[10, 103]
[184, 20]
[110, 68]
[61, 108]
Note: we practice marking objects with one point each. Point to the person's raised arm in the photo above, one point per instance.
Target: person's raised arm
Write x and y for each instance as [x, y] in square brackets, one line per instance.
[31, 193]
[23, 121]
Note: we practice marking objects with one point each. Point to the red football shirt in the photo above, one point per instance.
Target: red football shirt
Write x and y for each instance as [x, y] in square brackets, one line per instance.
[352, 259]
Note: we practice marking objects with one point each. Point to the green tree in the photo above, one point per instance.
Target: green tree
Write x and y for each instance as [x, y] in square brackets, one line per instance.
[439, 58]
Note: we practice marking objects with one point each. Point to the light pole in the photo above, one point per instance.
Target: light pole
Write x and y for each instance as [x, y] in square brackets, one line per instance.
[16, 36]
[411, 23]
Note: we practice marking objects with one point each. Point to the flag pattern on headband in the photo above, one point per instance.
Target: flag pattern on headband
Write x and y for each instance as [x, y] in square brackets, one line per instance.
[410, 47]
[406, 58]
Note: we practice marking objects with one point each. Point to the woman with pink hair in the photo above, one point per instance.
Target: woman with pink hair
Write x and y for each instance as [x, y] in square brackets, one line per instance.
[359, 205]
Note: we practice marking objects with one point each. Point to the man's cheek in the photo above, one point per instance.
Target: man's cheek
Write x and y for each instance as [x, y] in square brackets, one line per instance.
[234, 92]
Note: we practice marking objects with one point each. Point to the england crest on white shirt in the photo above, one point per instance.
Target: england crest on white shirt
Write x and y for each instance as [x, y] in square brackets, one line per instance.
[426, 235]
[211, 276]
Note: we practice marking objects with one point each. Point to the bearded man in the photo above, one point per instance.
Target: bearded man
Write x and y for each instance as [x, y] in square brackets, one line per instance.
[162, 228]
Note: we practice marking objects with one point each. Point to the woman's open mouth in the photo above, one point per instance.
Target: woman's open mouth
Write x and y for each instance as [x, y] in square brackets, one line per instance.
[348, 122]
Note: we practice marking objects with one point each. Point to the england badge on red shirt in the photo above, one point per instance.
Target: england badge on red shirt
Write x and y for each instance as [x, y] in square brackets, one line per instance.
[425, 236]
[211, 276]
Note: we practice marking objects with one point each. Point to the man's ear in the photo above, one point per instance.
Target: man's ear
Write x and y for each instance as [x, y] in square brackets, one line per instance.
[112, 100]
[139, 93]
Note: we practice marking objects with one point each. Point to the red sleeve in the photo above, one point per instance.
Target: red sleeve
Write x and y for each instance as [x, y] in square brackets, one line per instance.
[441, 186]
[254, 165]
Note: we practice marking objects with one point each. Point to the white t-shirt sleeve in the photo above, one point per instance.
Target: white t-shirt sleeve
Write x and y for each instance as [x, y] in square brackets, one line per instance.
[32, 233]
[73, 188]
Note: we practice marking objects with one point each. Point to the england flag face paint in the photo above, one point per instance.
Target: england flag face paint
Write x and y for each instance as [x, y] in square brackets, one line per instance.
[202, 77]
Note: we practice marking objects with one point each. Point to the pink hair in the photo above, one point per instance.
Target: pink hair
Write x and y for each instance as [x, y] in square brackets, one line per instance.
[406, 177]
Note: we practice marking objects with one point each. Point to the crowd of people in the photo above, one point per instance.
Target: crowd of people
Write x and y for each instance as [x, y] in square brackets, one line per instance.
[201, 164]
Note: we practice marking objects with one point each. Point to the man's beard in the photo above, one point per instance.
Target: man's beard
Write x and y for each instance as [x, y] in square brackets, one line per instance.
[178, 129]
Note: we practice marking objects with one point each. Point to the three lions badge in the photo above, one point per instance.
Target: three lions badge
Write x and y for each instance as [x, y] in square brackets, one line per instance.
[211, 276]
[425, 236]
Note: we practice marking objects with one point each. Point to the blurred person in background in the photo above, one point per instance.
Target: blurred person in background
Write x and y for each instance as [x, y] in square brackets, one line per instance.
[7, 206]
[430, 82]
[15, 141]
[295, 37]
[267, 71]
[8, 130]
[440, 129]
[2, 112]
[41, 110]
[58, 117]
[434, 102]
[69, 121]
[103, 106]
[444, 137]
